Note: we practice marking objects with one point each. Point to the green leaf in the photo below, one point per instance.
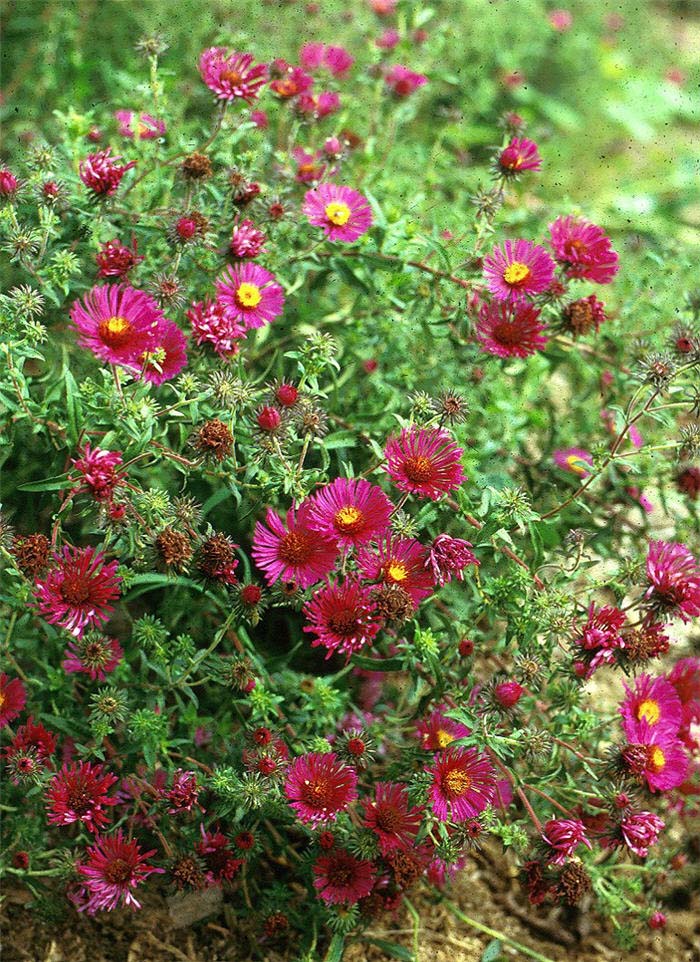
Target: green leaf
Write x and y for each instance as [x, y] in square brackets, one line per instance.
[492, 952]
[74, 406]
[379, 664]
[393, 950]
[56, 483]
[336, 949]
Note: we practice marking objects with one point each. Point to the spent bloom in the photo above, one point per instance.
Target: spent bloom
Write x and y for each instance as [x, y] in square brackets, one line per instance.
[343, 213]
[640, 830]
[517, 270]
[114, 867]
[319, 786]
[583, 249]
[295, 552]
[232, 75]
[449, 556]
[212, 324]
[250, 295]
[425, 462]
[342, 617]
[564, 835]
[115, 259]
[247, 241]
[674, 579]
[464, 783]
[519, 155]
[350, 511]
[117, 323]
[97, 470]
[654, 702]
[402, 81]
[102, 173]
[340, 878]
[78, 793]
[12, 698]
[510, 329]
[77, 591]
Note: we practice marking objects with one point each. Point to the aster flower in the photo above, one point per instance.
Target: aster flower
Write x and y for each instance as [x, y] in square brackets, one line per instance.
[98, 472]
[247, 241]
[115, 259]
[343, 617]
[402, 82]
[77, 591]
[216, 558]
[688, 482]
[308, 167]
[219, 858]
[584, 315]
[398, 561]
[116, 322]
[12, 698]
[600, 637]
[564, 835]
[640, 830]
[517, 270]
[654, 702]
[78, 793]
[343, 213]
[447, 557]
[662, 763]
[318, 105]
[166, 356]
[212, 324]
[184, 794]
[391, 817]
[102, 173]
[464, 784]
[674, 577]
[437, 731]
[350, 511]
[93, 655]
[188, 228]
[575, 460]
[9, 184]
[425, 462]
[319, 786]
[250, 295]
[340, 878]
[519, 155]
[30, 751]
[114, 867]
[510, 329]
[232, 75]
[291, 81]
[148, 127]
[685, 678]
[293, 553]
[583, 249]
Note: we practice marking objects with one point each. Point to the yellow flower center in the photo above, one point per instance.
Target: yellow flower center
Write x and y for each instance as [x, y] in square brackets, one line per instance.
[577, 464]
[338, 213]
[348, 518]
[396, 571]
[443, 738]
[657, 758]
[516, 273]
[649, 710]
[3, 699]
[456, 783]
[248, 295]
[115, 331]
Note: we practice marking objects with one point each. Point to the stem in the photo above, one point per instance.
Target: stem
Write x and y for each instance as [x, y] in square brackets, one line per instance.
[501, 936]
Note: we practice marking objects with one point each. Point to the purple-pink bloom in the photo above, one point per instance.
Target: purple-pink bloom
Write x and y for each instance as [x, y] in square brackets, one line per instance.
[449, 556]
[293, 553]
[351, 511]
[584, 249]
[77, 591]
[564, 835]
[232, 75]
[518, 155]
[425, 462]
[250, 295]
[98, 472]
[166, 356]
[211, 324]
[402, 82]
[341, 878]
[398, 561]
[464, 784]
[102, 173]
[93, 655]
[247, 241]
[640, 830]
[319, 786]
[78, 793]
[115, 866]
[674, 577]
[148, 127]
[117, 323]
[517, 270]
[343, 617]
[342, 212]
[575, 460]
[510, 329]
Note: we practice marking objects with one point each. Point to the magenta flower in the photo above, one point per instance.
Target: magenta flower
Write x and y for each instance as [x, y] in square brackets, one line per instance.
[449, 556]
[98, 472]
[510, 329]
[575, 460]
[640, 830]
[311, 55]
[652, 701]
[318, 105]
[211, 324]
[147, 126]
[583, 249]
[520, 154]
[391, 817]
[102, 173]
[32, 739]
[403, 82]
[662, 763]
[166, 356]
[564, 835]
[219, 859]
[425, 462]
[232, 75]
[600, 637]
[508, 693]
[398, 561]
[291, 81]
[9, 184]
[342, 212]
[560, 20]
[437, 731]
[184, 794]
[319, 786]
[117, 323]
[115, 866]
[77, 591]
[388, 39]
[114, 259]
[343, 617]
[250, 295]
[308, 167]
[12, 698]
[93, 655]
[78, 793]
[674, 577]
[464, 783]
[293, 553]
[685, 678]
[350, 511]
[247, 241]
[340, 878]
[520, 269]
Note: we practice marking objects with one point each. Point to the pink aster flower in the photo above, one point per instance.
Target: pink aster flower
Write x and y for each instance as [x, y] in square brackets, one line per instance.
[293, 553]
[403, 82]
[102, 173]
[114, 867]
[308, 167]
[564, 835]
[640, 830]
[247, 241]
[148, 127]
[583, 249]
[575, 460]
[114, 259]
[9, 184]
[220, 862]
[437, 731]
[517, 270]
[685, 678]
[319, 786]
[449, 556]
[464, 783]
[93, 655]
[391, 817]
[78, 793]
[508, 693]
[318, 105]
[33, 739]
[662, 763]
[250, 295]
[343, 617]
[338, 60]
[98, 472]
[184, 794]
[12, 698]
[116, 322]
[520, 154]
[343, 213]
[350, 511]
[291, 81]
[211, 324]
[77, 591]
[510, 329]
[560, 20]
[232, 75]
[674, 577]
[398, 561]
[311, 55]
[166, 356]
[388, 39]
[340, 878]
[425, 462]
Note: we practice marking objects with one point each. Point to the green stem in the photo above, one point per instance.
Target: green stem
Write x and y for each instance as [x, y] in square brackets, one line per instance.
[501, 936]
